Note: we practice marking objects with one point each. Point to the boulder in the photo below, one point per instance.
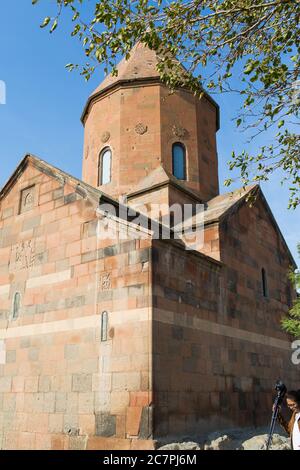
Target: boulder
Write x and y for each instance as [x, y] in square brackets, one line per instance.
[259, 443]
[181, 446]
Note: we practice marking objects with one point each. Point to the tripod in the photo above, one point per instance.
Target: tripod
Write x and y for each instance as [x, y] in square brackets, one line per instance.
[281, 391]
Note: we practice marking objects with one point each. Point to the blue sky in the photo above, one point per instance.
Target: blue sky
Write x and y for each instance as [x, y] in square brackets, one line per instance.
[45, 101]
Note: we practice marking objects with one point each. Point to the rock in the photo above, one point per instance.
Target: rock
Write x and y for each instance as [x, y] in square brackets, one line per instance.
[224, 442]
[233, 439]
[259, 443]
[181, 446]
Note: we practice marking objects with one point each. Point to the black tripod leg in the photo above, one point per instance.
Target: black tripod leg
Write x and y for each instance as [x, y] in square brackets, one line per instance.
[272, 427]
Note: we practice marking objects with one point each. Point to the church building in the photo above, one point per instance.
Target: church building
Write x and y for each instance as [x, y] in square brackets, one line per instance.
[111, 337]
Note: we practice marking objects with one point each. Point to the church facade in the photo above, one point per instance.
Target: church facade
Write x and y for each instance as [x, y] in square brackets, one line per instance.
[111, 338]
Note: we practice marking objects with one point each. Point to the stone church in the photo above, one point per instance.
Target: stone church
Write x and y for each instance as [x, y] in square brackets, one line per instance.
[115, 342]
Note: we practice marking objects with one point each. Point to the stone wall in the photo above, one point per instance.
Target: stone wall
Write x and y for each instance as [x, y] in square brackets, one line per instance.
[61, 386]
[186, 298]
[218, 345]
[190, 345]
[140, 123]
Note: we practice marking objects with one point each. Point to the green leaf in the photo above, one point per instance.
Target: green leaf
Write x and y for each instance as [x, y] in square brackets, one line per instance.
[54, 26]
[46, 22]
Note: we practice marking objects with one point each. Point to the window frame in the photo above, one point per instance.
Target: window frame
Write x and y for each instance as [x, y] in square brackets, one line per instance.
[264, 281]
[13, 315]
[183, 147]
[104, 326]
[100, 166]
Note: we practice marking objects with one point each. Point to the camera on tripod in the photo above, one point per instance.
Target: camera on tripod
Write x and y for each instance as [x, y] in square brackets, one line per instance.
[281, 390]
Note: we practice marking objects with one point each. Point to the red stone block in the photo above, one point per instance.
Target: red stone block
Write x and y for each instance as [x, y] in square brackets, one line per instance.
[133, 420]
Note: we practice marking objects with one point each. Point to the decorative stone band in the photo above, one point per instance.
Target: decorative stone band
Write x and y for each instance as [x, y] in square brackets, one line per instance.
[143, 315]
[73, 324]
[49, 279]
[4, 290]
[206, 326]
[2, 352]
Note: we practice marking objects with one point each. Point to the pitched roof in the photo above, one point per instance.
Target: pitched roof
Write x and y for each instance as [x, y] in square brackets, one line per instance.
[157, 178]
[82, 188]
[89, 192]
[220, 207]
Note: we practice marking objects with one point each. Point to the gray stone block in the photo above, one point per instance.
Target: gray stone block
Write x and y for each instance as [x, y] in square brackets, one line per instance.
[78, 442]
[5, 384]
[111, 251]
[136, 290]
[31, 223]
[60, 402]
[70, 198]
[58, 193]
[146, 423]
[90, 256]
[105, 425]
[49, 402]
[82, 382]
[33, 354]
[73, 302]
[71, 351]
[25, 342]
[71, 425]
[10, 357]
[44, 384]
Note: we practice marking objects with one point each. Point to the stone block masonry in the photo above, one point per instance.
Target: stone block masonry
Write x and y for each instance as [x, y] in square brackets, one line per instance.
[108, 343]
[60, 386]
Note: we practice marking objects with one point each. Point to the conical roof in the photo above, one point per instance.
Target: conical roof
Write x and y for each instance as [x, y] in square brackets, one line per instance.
[142, 63]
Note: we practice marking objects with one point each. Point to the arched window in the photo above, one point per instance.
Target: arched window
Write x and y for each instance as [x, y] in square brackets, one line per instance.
[16, 306]
[179, 161]
[264, 281]
[104, 326]
[105, 167]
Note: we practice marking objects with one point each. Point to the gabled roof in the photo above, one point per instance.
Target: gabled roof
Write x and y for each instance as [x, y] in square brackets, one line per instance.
[89, 192]
[82, 188]
[159, 178]
[222, 206]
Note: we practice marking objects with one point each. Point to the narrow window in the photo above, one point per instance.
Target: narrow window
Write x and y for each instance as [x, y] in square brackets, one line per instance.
[179, 161]
[105, 167]
[104, 326]
[289, 299]
[264, 282]
[16, 305]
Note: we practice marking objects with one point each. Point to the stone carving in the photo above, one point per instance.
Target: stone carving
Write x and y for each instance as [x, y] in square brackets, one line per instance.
[23, 256]
[141, 129]
[105, 137]
[105, 282]
[27, 199]
[179, 131]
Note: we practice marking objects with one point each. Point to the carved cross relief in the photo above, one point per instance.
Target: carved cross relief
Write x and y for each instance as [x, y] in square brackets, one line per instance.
[22, 256]
[27, 199]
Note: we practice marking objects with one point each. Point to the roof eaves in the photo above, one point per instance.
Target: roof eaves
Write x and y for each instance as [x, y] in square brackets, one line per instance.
[140, 81]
